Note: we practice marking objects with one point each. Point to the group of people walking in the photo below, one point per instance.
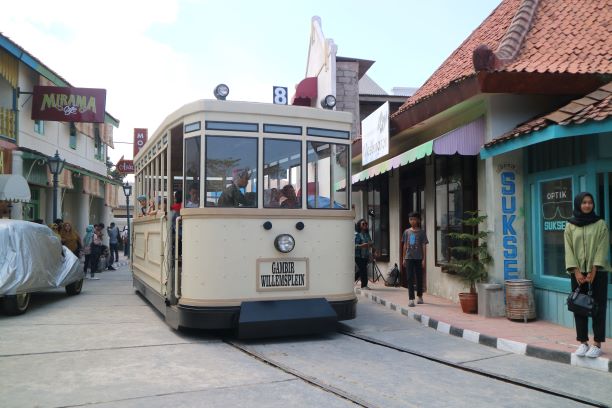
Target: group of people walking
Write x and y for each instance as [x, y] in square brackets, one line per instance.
[587, 248]
[91, 246]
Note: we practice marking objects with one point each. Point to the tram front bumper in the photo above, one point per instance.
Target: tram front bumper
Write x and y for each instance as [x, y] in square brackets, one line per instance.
[276, 318]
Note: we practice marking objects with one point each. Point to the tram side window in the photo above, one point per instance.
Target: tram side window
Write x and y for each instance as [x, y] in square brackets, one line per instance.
[327, 173]
[192, 172]
[282, 176]
[231, 171]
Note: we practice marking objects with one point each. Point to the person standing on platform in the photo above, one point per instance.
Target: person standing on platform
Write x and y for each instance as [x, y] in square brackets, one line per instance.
[113, 243]
[87, 242]
[587, 243]
[71, 239]
[414, 249]
[363, 251]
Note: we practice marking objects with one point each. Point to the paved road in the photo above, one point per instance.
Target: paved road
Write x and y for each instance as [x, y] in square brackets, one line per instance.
[108, 348]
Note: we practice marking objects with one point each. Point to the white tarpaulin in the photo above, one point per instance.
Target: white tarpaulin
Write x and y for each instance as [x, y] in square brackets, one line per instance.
[32, 258]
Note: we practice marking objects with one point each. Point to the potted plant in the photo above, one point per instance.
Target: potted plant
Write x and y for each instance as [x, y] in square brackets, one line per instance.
[472, 258]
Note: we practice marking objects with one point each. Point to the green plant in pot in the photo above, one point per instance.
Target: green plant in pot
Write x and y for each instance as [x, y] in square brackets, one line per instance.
[472, 257]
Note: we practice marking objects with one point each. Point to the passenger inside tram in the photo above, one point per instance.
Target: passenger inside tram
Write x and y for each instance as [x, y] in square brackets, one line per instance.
[288, 198]
[233, 196]
[193, 201]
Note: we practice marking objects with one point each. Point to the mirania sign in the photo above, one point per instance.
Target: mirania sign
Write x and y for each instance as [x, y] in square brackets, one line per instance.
[68, 104]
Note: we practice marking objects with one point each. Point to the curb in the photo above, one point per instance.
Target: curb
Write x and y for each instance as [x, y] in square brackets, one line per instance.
[599, 363]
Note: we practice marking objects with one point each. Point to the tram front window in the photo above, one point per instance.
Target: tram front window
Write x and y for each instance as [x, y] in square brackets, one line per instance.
[327, 174]
[282, 173]
[231, 171]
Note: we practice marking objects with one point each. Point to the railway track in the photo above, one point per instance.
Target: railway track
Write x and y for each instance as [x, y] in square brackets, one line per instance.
[363, 403]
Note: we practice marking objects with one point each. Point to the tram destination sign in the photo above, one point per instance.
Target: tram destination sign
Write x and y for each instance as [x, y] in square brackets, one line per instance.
[282, 274]
[63, 104]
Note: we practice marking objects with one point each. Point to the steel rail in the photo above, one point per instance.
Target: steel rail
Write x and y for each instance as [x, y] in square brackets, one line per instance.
[476, 371]
[306, 378]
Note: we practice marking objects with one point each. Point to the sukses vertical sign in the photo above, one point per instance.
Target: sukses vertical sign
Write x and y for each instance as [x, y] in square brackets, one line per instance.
[140, 138]
[509, 212]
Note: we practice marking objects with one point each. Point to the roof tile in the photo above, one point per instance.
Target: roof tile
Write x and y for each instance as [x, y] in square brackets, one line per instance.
[566, 36]
[591, 109]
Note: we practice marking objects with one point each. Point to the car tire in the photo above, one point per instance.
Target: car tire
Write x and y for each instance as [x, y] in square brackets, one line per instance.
[74, 288]
[16, 304]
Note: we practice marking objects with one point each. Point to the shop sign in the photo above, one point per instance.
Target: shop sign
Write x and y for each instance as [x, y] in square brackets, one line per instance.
[64, 104]
[509, 209]
[556, 207]
[125, 166]
[557, 204]
[140, 138]
[375, 135]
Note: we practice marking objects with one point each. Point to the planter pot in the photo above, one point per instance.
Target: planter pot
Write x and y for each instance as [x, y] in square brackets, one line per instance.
[469, 302]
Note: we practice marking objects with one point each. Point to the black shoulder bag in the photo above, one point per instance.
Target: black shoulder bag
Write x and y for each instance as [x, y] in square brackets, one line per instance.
[580, 303]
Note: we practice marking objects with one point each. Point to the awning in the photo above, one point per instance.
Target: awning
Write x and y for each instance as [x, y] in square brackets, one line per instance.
[111, 195]
[548, 133]
[305, 92]
[64, 179]
[465, 140]
[14, 187]
[400, 160]
[93, 186]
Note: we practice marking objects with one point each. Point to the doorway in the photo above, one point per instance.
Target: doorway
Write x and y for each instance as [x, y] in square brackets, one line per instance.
[412, 199]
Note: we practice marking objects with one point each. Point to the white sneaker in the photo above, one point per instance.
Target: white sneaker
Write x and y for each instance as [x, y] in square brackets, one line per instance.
[593, 352]
[582, 350]
[411, 303]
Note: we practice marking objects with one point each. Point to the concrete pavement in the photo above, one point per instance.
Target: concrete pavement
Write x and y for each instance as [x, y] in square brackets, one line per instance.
[535, 338]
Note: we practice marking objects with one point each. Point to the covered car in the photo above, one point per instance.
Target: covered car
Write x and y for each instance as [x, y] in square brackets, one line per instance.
[32, 259]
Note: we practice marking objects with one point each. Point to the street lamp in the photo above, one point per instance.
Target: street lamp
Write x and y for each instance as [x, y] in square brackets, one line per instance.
[127, 190]
[56, 165]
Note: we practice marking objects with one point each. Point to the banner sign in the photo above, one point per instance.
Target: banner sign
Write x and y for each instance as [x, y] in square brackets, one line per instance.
[125, 166]
[63, 104]
[140, 138]
[375, 135]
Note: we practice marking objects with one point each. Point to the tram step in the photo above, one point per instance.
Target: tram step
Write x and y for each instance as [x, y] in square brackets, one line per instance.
[274, 318]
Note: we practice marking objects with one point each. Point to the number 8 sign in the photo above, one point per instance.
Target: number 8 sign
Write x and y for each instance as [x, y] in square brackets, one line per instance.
[280, 96]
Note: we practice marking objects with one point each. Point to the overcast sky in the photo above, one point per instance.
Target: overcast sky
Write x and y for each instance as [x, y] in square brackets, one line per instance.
[152, 56]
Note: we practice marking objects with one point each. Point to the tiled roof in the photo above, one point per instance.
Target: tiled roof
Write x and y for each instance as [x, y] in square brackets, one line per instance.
[568, 36]
[595, 106]
[563, 36]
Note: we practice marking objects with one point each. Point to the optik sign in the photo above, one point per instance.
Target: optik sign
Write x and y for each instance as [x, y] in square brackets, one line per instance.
[509, 211]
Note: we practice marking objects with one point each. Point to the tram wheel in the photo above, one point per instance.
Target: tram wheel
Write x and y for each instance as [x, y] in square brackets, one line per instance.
[16, 304]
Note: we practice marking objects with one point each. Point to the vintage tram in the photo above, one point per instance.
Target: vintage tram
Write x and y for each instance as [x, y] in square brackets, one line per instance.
[262, 241]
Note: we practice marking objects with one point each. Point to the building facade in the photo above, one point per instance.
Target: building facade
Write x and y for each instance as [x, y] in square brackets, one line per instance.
[451, 149]
[85, 194]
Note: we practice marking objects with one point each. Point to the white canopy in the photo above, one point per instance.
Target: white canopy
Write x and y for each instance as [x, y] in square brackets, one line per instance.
[14, 187]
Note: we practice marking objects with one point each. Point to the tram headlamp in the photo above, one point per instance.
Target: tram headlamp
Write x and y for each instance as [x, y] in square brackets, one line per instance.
[328, 102]
[221, 92]
[284, 243]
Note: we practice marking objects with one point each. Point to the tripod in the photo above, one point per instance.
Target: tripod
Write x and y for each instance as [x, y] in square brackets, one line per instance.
[374, 273]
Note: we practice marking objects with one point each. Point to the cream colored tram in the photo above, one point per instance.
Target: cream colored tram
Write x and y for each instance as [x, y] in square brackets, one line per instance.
[263, 242]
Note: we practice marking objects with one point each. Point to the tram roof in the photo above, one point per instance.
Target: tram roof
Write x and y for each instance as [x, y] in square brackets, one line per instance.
[254, 108]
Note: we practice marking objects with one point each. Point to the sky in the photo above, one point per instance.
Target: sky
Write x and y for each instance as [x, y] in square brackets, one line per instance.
[153, 57]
